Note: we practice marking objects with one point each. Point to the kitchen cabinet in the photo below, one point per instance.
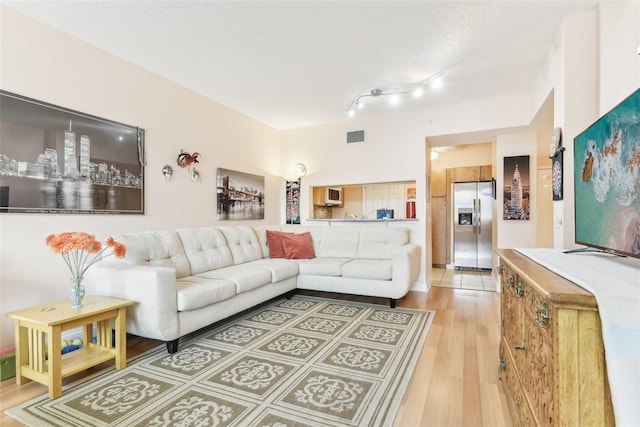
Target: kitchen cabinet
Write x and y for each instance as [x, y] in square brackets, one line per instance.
[472, 173]
[552, 363]
[385, 196]
[318, 196]
[439, 246]
[438, 183]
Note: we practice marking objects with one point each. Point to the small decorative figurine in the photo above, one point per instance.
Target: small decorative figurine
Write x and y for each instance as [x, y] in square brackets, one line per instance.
[186, 159]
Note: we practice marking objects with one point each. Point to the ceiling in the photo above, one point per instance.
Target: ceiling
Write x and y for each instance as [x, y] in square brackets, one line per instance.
[292, 64]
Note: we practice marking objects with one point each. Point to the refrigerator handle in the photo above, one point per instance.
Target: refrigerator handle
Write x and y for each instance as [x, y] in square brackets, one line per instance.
[479, 218]
[475, 217]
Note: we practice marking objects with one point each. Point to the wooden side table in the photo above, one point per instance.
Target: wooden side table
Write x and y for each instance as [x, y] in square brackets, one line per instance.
[32, 324]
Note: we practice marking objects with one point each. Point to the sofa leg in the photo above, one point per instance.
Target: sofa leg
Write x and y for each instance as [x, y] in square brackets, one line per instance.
[392, 302]
[290, 294]
[172, 346]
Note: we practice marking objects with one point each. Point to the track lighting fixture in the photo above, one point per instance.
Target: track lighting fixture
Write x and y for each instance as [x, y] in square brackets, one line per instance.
[394, 94]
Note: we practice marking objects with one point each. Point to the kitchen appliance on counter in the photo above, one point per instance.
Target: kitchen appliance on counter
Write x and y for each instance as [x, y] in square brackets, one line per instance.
[333, 196]
[384, 213]
[472, 225]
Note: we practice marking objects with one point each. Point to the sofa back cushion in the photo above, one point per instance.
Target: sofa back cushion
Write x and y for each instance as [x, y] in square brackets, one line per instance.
[261, 233]
[206, 248]
[243, 243]
[379, 243]
[338, 242]
[161, 248]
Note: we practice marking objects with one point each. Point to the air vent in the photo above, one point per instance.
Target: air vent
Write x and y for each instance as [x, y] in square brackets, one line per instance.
[355, 136]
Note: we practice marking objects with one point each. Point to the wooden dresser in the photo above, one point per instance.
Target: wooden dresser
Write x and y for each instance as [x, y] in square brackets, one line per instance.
[552, 363]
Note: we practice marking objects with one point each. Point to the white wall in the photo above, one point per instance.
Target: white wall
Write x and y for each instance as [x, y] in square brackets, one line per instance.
[593, 65]
[619, 41]
[45, 64]
[464, 155]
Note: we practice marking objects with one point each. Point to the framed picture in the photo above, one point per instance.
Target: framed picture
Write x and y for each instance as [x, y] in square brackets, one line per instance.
[293, 202]
[56, 160]
[516, 188]
[239, 195]
[556, 171]
[411, 193]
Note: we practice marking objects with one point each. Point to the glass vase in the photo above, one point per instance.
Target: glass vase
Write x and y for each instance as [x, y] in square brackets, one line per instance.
[76, 293]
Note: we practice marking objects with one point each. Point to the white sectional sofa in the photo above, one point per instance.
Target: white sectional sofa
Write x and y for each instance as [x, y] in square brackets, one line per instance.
[185, 279]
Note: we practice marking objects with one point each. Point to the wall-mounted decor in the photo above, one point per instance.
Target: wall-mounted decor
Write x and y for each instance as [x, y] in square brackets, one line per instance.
[239, 195]
[167, 172]
[293, 202]
[186, 160]
[516, 188]
[56, 160]
[557, 183]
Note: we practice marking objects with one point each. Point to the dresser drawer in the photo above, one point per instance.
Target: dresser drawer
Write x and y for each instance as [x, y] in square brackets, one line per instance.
[538, 375]
[539, 308]
[518, 404]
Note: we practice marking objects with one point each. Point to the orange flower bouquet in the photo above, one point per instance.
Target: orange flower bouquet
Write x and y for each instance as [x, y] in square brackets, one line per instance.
[80, 251]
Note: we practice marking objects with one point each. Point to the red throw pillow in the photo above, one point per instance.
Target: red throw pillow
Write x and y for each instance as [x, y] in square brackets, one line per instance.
[274, 240]
[298, 246]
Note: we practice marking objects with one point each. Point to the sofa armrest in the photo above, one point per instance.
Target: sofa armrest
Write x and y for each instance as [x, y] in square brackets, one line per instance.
[153, 289]
[406, 267]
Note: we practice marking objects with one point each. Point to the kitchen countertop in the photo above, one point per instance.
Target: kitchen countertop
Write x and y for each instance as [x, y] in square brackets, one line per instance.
[362, 220]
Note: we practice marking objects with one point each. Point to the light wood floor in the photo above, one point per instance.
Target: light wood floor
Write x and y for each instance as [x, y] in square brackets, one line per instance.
[455, 381]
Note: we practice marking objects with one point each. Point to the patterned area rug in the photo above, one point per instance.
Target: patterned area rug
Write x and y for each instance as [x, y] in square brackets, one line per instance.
[306, 361]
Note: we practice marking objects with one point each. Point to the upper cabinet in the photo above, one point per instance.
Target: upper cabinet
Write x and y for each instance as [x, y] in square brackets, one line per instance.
[318, 196]
[473, 173]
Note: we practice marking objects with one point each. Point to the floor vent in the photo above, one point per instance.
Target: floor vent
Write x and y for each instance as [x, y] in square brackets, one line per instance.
[355, 136]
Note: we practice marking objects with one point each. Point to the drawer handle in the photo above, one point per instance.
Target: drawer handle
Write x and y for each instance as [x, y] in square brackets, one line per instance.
[542, 316]
[511, 280]
[503, 364]
[523, 348]
[500, 269]
[519, 289]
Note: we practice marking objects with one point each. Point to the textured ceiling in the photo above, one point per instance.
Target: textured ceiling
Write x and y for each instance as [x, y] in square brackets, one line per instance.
[297, 64]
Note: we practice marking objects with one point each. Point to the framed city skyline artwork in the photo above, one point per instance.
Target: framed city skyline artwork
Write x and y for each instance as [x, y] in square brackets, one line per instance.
[516, 188]
[239, 195]
[56, 160]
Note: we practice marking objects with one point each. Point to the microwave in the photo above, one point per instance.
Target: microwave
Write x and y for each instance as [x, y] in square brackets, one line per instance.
[333, 196]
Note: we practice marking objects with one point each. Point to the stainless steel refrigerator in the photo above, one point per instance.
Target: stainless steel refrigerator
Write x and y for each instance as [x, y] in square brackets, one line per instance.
[472, 225]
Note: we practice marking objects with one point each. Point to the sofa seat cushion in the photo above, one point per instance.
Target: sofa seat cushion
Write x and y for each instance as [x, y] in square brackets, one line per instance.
[194, 292]
[280, 268]
[368, 269]
[246, 276]
[321, 266]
